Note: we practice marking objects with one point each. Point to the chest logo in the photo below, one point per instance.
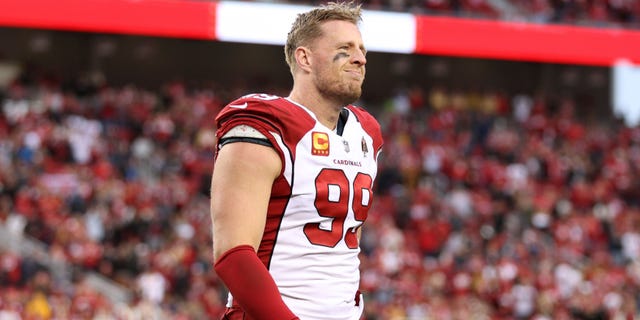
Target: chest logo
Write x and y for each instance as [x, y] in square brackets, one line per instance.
[319, 144]
[365, 149]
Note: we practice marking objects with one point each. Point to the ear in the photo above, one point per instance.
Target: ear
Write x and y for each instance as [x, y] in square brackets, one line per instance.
[303, 58]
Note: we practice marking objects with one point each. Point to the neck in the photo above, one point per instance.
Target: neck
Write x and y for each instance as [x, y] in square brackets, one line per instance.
[326, 111]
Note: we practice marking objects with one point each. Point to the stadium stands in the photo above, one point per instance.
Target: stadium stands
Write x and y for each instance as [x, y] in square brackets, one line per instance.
[498, 206]
[602, 13]
[490, 205]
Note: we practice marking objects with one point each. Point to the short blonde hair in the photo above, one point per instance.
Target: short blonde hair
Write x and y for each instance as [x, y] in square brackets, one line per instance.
[306, 27]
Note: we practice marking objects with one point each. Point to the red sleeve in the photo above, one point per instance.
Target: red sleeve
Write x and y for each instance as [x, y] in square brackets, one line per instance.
[270, 115]
[254, 113]
[251, 285]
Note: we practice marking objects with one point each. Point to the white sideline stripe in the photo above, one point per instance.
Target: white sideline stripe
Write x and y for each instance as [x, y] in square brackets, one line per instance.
[266, 23]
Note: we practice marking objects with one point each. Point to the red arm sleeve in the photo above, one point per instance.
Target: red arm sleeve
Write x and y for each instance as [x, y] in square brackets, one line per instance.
[251, 284]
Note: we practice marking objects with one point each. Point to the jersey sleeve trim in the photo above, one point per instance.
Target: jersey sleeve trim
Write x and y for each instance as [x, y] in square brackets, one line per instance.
[244, 133]
[243, 130]
[262, 125]
[261, 141]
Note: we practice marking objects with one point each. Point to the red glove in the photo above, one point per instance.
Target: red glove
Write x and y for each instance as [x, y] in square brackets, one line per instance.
[251, 284]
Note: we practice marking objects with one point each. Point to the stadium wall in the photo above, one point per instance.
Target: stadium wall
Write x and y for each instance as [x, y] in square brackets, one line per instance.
[266, 23]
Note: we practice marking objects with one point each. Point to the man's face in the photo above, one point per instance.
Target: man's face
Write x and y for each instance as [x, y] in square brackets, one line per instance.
[339, 57]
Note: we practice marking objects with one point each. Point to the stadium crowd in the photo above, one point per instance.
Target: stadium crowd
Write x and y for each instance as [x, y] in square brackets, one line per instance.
[600, 13]
[488, 205]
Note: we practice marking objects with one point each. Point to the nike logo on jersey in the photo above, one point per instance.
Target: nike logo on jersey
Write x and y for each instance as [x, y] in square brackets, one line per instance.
[238, 106]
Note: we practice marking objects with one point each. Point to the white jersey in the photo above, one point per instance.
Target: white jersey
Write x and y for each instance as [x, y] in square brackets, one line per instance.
[318, 202]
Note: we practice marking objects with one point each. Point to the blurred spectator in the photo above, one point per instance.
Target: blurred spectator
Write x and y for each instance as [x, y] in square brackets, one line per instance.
[489, 206]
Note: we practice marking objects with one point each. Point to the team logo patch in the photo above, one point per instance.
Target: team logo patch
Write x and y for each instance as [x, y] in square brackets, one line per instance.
[319, 144]
[365, 149]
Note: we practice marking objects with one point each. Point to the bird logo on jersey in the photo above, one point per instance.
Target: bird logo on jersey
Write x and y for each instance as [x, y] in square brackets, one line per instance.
[319, 144]
[365, 149]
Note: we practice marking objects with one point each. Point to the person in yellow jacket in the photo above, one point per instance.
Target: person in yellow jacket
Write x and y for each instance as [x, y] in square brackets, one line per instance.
[38, 308]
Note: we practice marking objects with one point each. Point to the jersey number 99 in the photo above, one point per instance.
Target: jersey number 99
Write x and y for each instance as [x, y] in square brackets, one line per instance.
[333, 190]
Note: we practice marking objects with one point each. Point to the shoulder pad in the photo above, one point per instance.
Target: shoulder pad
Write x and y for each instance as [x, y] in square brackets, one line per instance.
[251, 104]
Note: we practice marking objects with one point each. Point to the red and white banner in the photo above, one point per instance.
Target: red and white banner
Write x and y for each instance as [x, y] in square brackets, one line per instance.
[162, 18]
[265, 23]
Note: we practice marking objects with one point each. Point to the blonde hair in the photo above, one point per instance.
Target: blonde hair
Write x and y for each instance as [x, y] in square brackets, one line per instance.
[306, 27]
